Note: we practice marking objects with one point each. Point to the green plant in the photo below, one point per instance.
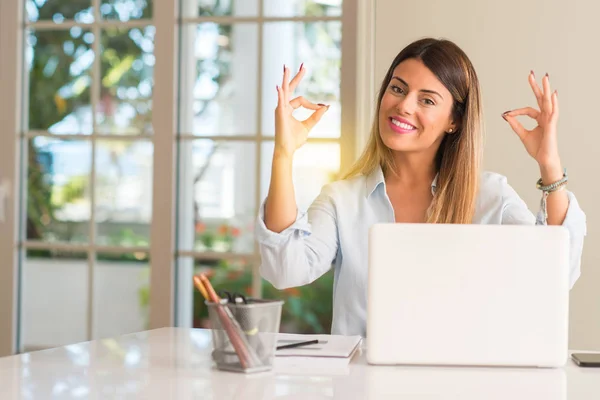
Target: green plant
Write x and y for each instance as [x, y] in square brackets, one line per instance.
[219, 238]
[307, 309]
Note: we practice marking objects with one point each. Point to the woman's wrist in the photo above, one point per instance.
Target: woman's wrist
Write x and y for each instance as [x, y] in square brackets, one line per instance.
[281, 155]
[551, 173]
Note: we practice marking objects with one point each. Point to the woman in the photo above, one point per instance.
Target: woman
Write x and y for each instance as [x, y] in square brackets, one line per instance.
[422, 164]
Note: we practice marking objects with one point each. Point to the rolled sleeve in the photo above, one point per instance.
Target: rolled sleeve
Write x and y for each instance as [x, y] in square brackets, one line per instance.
[266, 237]
[516, 212]
[305, 250]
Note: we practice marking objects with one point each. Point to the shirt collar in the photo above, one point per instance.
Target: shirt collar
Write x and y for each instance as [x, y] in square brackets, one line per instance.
[376, 178]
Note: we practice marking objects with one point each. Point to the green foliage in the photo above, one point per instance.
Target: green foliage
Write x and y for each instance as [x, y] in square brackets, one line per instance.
[307, 309]
[56, 89]
[70, 192]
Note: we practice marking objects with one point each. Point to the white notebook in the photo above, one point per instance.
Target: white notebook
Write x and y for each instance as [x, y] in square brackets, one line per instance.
[331, 351]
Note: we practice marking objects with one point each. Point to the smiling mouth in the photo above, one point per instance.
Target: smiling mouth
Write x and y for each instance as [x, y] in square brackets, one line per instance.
[401, 127]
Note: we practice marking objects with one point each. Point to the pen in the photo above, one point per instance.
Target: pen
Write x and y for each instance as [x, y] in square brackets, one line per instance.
[297, 344]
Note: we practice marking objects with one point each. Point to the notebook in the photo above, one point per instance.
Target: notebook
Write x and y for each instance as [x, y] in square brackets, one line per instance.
[331, 351]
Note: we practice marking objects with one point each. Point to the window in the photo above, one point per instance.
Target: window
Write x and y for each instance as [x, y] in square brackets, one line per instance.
[145, 139]
[87, 169]
[231, 58]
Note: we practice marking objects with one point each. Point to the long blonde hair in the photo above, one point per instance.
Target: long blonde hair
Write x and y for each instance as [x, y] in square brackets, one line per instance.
[459, 156]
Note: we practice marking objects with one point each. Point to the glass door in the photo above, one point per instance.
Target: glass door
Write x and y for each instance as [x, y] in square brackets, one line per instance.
[86, 170]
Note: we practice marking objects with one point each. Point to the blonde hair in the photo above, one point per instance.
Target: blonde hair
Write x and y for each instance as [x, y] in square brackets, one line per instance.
[459, 156]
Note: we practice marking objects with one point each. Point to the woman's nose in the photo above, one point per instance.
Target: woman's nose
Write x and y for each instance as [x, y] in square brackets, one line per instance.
[406, 105]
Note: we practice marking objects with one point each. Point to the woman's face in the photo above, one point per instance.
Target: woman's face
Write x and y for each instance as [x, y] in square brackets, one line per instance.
[415, 111]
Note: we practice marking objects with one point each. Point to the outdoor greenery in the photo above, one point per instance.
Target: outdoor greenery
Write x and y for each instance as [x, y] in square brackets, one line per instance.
[307, 309]
[59, 63]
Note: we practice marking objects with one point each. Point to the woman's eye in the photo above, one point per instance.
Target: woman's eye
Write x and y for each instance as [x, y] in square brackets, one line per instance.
[397, 89]
[429, 102]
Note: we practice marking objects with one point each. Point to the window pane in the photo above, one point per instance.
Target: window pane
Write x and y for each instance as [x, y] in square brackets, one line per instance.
[121, 294]
[301, 8]
[217, 185]
[59, 64]
[315, 165]
[55, 299]
[58, 190]
[125, 105]
[123, 192]
[59, 10]
[218, 80]
[126, 10]
[318, 46]
[210, 8]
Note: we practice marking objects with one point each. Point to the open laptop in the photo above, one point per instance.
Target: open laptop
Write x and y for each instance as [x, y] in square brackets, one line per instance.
[471, 295]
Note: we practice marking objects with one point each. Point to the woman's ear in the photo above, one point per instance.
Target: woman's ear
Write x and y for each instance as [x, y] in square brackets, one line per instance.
[453, 127]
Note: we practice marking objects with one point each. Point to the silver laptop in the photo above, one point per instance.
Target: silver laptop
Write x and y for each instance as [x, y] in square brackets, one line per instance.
[475, 295]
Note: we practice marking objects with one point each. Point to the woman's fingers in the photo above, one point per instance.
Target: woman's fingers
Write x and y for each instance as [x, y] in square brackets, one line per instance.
[536, 89]
[515, 125]
[310, 122]
[301, 101]
[285, 84]
[554, 115]
[547, 99]
[280, 97]
[529, 111]
[296, 80]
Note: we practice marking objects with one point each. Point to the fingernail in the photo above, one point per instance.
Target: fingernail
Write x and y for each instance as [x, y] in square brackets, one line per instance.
[301, 65]
[532, 73]
[284, 68]
[277, 87]
[547, 76]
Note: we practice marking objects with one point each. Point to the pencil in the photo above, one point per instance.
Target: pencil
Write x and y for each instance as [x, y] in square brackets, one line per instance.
[228, 322]
[200, 286]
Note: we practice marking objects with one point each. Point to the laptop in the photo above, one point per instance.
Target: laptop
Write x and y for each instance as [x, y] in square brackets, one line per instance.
[468, 295]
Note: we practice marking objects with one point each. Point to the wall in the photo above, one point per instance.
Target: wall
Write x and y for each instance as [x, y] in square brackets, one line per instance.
[505, 40]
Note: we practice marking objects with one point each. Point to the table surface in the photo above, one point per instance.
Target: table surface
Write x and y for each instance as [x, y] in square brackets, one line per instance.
[175, 363]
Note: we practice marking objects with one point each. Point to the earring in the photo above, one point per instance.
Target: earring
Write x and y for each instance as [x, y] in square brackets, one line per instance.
[450, 131]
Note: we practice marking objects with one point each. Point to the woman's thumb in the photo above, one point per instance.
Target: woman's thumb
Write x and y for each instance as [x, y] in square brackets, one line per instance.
[315, 117]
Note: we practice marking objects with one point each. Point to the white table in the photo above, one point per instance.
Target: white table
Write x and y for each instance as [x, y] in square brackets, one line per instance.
[175, 363]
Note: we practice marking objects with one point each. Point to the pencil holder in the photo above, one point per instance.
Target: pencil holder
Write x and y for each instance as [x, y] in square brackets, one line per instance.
[252, 348]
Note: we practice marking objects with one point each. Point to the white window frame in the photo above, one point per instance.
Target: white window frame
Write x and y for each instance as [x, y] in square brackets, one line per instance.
[357, 97]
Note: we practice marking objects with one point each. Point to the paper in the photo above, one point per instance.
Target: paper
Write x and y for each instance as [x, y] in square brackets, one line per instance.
[331, 351]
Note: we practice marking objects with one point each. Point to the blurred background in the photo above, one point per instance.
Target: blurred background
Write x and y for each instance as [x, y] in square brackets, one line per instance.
[137, 138]
[88, 165]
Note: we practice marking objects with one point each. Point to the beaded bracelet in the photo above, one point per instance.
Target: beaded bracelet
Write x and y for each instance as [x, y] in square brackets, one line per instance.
[547, 189]
[553, 186]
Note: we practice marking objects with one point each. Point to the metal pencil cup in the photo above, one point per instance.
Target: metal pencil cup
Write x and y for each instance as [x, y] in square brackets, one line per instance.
[258, 323]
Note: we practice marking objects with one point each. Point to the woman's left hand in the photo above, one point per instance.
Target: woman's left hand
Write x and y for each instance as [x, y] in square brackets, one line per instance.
[540, 142]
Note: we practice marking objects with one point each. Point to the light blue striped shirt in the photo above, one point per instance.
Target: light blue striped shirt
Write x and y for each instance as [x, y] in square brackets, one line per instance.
[335, 229]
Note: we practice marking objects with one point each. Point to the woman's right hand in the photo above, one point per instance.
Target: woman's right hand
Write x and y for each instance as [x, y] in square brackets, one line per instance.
[291, 134]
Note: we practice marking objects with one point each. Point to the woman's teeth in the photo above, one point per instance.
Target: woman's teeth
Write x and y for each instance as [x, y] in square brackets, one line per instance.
[402, 124]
